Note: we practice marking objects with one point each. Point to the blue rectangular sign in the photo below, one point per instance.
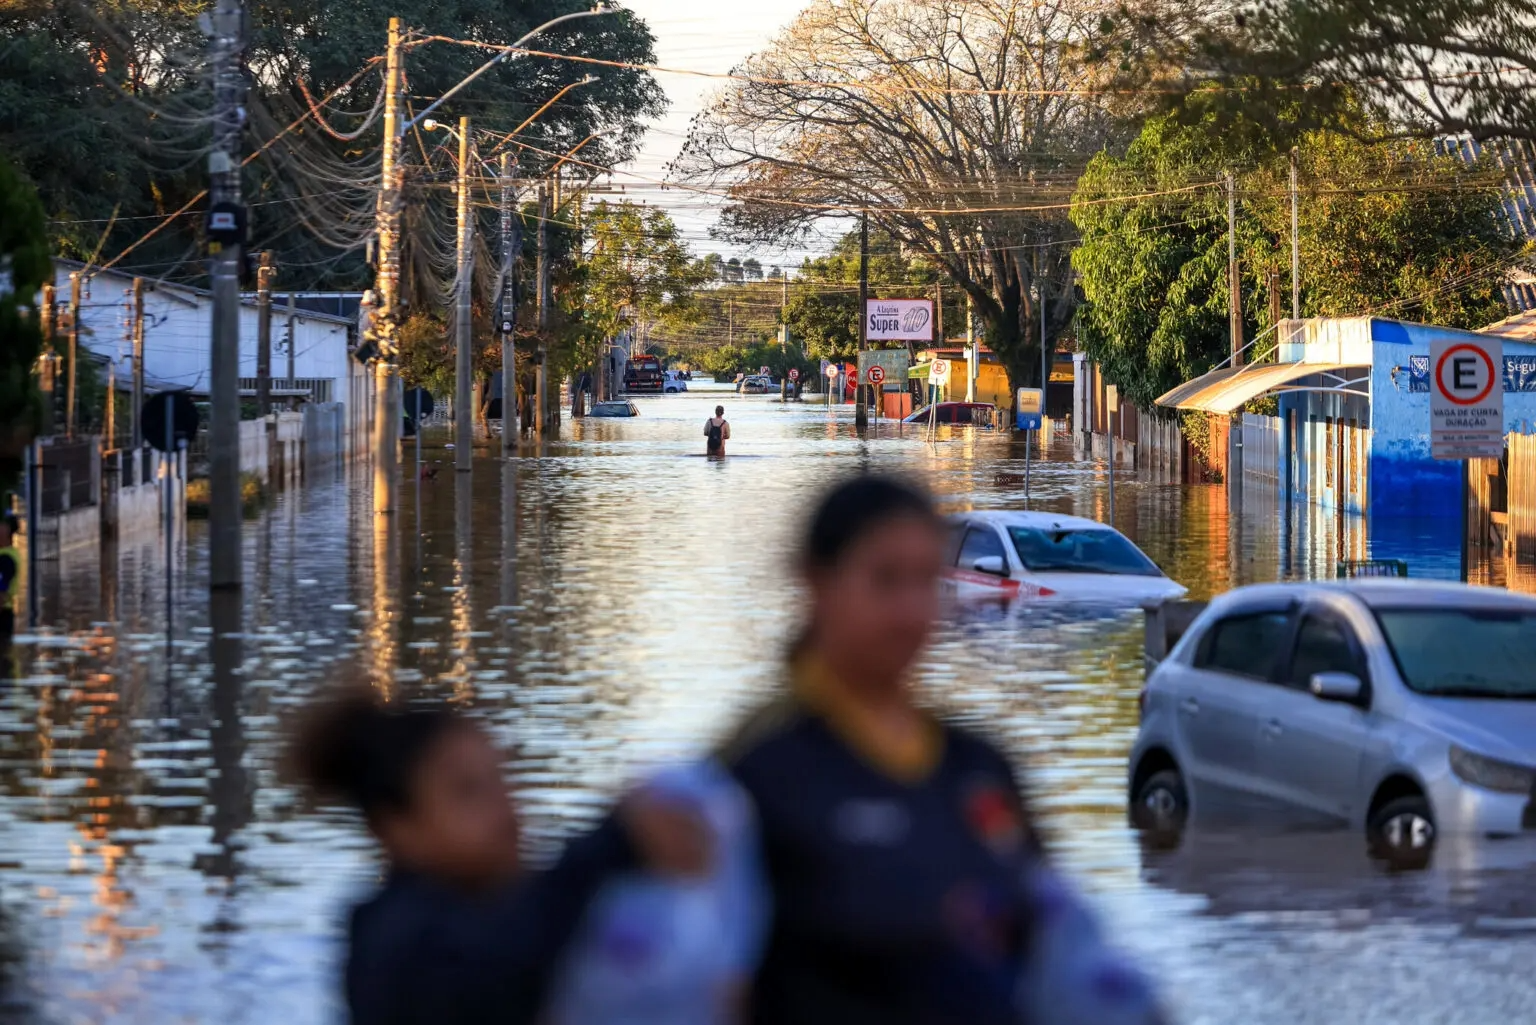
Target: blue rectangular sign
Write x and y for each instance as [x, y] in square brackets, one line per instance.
[1519, 374]
[1029, 421]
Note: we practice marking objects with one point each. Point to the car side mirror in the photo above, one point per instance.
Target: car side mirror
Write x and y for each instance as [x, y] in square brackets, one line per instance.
[992, 565]
[1344, 687]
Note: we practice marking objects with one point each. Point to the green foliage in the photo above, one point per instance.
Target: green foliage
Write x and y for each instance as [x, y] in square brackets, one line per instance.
[1385, 228]
[640, 270]
[24, 267]
[104, 107]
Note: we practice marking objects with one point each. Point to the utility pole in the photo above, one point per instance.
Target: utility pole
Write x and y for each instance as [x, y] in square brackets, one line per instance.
[463, 412]
[938, 311]
[541, 373]
[1295, 237]
[138, 363]
[264, 276]
[292, 326]
[384, 324]
[861, 411]
[74, 353]
[1045, 353]
[226, 239]
[1235, 298]
[511, 244]
[46, 365]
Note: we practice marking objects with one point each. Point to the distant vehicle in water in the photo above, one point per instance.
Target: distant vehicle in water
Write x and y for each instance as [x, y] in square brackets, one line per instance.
[674, 381]
[1402, 709]
[758, 384]
[615, 409]
[643, 374]
[1045, 556]
[978, 414]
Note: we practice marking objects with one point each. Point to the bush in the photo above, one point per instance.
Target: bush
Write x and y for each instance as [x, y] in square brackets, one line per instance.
[253, 496]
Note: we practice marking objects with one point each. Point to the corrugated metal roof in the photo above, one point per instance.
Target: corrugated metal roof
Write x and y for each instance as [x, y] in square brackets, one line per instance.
[1517, 159]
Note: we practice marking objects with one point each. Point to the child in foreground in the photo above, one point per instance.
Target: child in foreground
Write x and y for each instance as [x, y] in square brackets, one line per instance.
[458, 933]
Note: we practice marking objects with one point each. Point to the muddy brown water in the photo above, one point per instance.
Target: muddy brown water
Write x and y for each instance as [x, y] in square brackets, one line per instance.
[610, 604]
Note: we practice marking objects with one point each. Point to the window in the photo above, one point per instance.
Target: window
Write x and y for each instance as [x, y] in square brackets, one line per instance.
[947, 415]
[1324, 645]
[981, 543]
[1080, 551]
[1464, 652]
[1246, 645]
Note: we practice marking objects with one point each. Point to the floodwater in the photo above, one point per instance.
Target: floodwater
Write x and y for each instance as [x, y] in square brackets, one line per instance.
[605, 605]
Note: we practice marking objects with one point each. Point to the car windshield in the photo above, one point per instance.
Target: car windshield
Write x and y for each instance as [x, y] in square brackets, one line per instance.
[1464, 653]
[1080, 551]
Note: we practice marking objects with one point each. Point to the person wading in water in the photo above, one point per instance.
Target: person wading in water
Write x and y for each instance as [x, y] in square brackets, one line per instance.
[718, 430]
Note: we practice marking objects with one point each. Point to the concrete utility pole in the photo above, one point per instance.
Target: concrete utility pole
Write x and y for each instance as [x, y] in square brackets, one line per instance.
[861, 410]
[74, 353]
[292, 317]
[464, 366]
[384, 326]
[1295, 238]
[1235, 300]
[541, 387]
[264, 275]
[511, 245]
[46, 365]
[138, 363]
[227, 46]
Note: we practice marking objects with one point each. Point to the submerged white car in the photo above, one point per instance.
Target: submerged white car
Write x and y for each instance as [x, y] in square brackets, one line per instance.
[1037, 555]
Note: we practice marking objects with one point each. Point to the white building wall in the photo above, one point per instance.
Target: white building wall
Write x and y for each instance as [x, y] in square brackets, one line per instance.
[177, 326]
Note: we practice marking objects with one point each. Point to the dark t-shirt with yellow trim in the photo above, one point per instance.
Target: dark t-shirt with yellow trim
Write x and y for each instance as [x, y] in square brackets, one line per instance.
[896, 875]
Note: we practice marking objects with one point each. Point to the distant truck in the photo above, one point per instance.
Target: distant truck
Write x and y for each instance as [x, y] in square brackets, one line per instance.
[643, 374]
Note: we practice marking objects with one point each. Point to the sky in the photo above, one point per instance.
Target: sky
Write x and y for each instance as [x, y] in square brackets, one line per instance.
[700, 35]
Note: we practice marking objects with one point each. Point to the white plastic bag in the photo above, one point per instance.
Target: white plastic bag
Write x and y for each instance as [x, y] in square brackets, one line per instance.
[657, 951]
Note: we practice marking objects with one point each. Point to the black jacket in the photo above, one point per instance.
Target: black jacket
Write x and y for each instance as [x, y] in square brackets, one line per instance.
[895, 902]
[424, 954]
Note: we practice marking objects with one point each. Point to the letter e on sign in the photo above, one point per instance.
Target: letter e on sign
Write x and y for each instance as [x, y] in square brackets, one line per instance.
[1466, 397]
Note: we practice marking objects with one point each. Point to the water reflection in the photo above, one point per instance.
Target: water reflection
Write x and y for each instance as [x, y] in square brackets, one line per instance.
[602, 603]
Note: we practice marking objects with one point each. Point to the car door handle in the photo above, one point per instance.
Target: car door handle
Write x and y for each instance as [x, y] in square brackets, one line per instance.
[1273, 728]
[1189, 706]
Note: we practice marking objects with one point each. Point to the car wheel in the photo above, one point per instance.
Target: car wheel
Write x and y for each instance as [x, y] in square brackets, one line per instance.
[1160, 806]
[1402, 832]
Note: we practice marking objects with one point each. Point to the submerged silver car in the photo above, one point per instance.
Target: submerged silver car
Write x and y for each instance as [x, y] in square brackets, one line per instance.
[1401, 708]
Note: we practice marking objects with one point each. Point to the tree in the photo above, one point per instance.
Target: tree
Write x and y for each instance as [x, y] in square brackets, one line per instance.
[959, 125]
[751, 269]
[823, 309]
[1438, 66]
[105, 108]
[24, 267]
[640, 273]
[1385, 228]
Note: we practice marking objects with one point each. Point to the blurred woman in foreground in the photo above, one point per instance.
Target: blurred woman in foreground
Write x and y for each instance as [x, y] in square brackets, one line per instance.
[894, 844]
[907, 882]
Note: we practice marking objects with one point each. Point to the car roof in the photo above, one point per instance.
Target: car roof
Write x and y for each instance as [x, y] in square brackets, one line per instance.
[1381, 592]
[1038, 520]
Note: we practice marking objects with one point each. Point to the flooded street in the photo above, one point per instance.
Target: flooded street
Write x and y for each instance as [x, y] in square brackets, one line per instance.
[612, 603]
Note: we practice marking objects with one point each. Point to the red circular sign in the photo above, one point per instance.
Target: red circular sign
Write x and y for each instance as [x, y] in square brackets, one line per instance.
[833, 370]
[794, 374]
[1487, 363]
[875, 374]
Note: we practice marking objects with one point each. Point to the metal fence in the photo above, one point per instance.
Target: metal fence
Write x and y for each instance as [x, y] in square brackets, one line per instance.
[68, 470]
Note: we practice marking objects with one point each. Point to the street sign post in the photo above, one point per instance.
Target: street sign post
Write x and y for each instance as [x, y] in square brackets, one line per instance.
[1466, 398]
[939, 371]
[1029, 416]
[1466, 409]
[876, 374]
[794, 373]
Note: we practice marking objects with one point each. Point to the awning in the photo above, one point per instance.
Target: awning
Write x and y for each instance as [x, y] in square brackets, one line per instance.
[1229, 389]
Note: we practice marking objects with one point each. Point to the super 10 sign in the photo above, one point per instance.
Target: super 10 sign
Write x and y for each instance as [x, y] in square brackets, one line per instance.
[1466, 398]
[899, 320]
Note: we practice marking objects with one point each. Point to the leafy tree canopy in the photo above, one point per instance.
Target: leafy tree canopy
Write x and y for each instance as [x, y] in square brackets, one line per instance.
[24, 267]
[1387, 228]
